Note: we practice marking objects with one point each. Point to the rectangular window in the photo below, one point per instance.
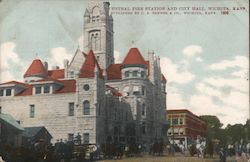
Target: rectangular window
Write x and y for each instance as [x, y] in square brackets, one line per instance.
[175, 121]
[135, 73]
[86, 138]
[0, 110]
[86, 108]
[32, 111]
[181, 121]
[46, 89]
[70, 137]
[71, 109]
[38, 90]
[8, 92]
[1, 92]
[143, 90]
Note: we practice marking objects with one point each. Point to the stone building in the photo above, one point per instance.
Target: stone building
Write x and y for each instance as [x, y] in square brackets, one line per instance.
[92, 95]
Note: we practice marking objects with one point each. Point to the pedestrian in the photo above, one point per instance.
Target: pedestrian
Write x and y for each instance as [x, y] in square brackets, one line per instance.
[222, 155]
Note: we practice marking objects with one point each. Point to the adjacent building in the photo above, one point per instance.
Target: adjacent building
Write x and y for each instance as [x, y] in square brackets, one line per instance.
[185, 126]
[91, 95]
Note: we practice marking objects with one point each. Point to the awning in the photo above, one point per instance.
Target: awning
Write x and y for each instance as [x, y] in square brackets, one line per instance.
[11, 121]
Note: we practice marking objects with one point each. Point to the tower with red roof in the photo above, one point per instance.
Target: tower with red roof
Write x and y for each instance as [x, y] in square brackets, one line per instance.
[91, 95]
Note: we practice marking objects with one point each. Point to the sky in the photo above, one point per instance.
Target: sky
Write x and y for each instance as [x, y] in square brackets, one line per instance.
[205, 58]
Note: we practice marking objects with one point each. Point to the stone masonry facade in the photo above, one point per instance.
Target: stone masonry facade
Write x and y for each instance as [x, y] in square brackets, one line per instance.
[91, 95]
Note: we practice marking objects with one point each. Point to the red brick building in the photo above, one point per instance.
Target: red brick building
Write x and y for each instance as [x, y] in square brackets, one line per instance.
[184, 126]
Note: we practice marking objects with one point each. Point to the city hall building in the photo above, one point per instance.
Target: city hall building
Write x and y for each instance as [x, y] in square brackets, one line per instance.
[91, 95]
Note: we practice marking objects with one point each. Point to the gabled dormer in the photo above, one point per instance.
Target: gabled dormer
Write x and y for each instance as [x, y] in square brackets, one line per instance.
[46, 86]
[11, 88]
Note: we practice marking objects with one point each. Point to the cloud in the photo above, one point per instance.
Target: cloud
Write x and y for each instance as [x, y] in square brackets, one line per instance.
[118, 57]
[192, 50]
[8, 57]
[175, 73]
[58, 55]
[199, 59]
[226, 95]
[237, 61]
[235, 83]
[202, 104]
[174, 99]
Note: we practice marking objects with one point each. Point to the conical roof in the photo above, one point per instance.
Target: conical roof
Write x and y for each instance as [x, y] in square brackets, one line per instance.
[36, 69]
[134, 57]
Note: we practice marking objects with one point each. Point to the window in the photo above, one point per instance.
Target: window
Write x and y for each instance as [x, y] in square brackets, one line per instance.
[86, 138]
[46, 89]
[175, 121]
[136, 90]
[71, 109]
[142, 74]
[181, 121]
[143, 90]
[1, 92]
[143, 129]
[8, 92]
[86, 108]
[32, 111]
[126, 74]
[70, 137]
[143, 110]
[38, 90]
[86, 87]
[0, 110]
[135, 73]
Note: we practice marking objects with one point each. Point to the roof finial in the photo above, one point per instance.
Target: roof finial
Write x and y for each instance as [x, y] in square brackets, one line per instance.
[133, 43]
[36, 55]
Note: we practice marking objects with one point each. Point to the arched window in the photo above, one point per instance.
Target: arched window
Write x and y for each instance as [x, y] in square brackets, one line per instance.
[86, 108]
[96, 14]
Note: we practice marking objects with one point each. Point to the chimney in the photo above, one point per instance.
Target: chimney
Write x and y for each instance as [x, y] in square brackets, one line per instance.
[45, 64]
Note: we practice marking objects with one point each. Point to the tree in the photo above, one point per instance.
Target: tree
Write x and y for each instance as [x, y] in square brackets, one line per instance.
[214, 130]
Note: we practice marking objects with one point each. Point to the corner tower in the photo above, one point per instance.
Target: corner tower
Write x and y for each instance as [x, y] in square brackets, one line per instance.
[98, 32]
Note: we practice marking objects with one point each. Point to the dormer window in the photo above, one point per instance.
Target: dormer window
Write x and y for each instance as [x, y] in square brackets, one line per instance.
[126, 74]
[8, 92]
[46, 89]
[38, 90]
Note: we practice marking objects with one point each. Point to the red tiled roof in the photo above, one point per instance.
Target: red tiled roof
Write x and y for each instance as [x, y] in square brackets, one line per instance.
[36, 68]
[13, 82]
[56, 74]
[114, 91]
[68, 86]
[163, 78]
[114, 72]
[134, 57]
[26, 92]
[88, 67]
